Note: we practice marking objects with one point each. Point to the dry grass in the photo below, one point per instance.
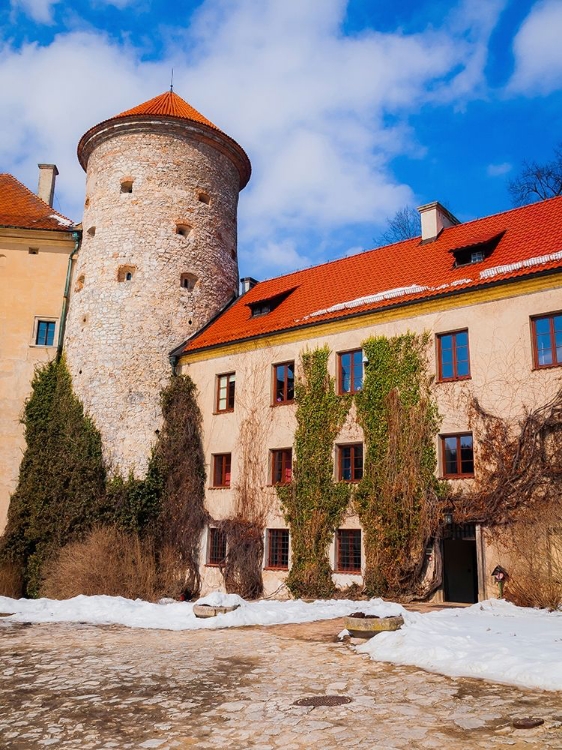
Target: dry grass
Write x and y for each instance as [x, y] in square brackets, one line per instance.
[115, 563]
[11, 581]
[535, 566]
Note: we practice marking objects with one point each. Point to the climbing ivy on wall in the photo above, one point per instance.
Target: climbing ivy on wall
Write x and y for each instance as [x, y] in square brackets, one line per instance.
[313, 503]
[399, 500]
[61, 480]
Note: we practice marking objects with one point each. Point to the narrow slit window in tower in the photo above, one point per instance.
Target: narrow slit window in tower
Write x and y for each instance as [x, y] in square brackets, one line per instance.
[183, 229]
[188, 281]
[127, 186]
[125, 273]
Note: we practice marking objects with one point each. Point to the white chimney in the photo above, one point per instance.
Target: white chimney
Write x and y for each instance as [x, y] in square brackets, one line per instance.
[246, 284]
[47, 176]
[434, 218]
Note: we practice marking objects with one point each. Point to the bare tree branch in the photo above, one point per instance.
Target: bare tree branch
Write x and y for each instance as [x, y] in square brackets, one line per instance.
[404, 225]
[537, 182]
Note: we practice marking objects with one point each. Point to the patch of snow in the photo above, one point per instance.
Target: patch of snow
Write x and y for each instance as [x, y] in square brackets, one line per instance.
[493, 640]
[509, 267]
[61, 220]
[116, 610]
[370, 299]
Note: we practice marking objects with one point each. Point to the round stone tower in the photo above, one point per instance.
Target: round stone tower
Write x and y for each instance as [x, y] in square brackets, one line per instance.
[157, 262]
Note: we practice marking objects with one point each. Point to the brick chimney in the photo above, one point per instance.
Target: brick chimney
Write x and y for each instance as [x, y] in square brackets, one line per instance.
[47, 176]
[435, 218]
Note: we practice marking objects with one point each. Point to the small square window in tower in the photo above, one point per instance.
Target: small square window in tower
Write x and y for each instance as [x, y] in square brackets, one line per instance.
[350, 371]
[284, 383]
[126, 273]
[216, 548]
[348, 551]
[188, 281]
[226, 386]
[277, 549]
[453, 357]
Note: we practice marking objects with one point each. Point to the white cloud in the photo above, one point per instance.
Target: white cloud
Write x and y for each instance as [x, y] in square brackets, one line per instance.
[497, 170]
[39, 10]
[538, 51]
[320, 114]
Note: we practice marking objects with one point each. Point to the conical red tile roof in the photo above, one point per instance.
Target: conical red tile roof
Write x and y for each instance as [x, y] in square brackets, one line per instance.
[21, 208]
[168, 105]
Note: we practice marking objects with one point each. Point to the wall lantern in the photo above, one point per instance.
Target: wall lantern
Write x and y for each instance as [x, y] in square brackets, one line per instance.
[448, 517]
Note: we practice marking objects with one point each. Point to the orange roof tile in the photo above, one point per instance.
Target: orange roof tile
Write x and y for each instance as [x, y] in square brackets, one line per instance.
[168, 105]
[21, 208]
[390, 276]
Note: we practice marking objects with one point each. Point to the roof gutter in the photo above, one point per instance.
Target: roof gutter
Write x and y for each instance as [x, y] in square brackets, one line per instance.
[77, 237]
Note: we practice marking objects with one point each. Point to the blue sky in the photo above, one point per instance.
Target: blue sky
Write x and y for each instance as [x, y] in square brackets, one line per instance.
[349, 110]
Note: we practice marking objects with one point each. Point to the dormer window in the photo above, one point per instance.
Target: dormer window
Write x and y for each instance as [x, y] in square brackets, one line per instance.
[267, 305]
[476, 251]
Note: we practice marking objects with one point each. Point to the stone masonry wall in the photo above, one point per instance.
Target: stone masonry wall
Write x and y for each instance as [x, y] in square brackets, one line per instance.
[120, 332]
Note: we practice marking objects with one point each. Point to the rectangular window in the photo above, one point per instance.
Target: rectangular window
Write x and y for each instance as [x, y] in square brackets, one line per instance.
[281, 466]
[350, 371]
[350, 462]
[547, 340]
[45, 334]
[278, 549]
[284, 383]
[457, 456]
[221, 470]
[453, 356]
[348, 550]
[216, 548]
[225, 392]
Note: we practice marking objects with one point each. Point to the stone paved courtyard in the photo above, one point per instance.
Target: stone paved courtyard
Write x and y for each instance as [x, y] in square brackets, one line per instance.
[80, 686]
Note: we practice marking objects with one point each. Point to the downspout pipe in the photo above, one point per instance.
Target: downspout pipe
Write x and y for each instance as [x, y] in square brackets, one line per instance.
[77, 237]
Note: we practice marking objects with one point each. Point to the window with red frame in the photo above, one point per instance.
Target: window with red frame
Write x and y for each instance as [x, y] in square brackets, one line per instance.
[457, 456]
[350, 371]
[216, 548]
[221, 470]
[284, 383]
[226, 385]
[547, 340]
[278, 549]
[348, 550]
[453, 356]
[350, 462]
[281, 466]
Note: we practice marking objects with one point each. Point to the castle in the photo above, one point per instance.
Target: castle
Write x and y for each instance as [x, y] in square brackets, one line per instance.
[154, 286]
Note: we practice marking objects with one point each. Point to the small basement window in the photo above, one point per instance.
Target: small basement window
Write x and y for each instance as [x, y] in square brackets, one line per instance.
[188, 281]
[184, 229]
[203, 197]
[126, 273]
[127, 186]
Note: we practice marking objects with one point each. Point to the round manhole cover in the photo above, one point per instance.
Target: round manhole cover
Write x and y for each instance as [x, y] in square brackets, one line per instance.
[527, 723]
[323, 700]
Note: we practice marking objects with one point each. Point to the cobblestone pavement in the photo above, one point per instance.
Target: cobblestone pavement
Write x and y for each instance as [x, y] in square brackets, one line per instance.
[85, 687]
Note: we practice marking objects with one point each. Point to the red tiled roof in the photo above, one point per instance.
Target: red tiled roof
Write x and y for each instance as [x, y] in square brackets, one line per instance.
[403, 272]
[21, 208]
[168, 105]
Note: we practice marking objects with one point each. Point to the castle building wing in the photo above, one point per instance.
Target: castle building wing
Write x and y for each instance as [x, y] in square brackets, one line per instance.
[497, 249]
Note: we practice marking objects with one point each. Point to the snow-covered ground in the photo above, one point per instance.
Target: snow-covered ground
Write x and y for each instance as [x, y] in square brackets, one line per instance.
[493, 640]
